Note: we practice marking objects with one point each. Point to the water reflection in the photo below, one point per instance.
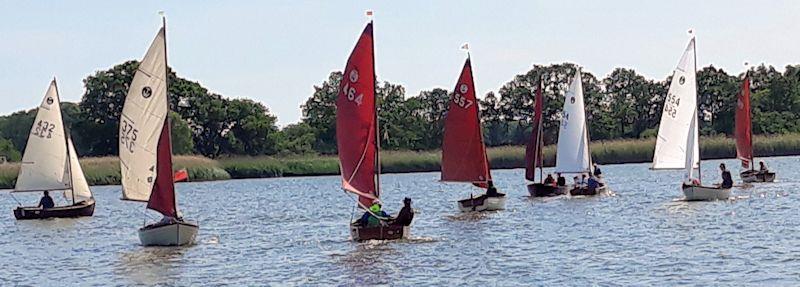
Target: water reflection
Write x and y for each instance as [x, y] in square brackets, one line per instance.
[150, 265]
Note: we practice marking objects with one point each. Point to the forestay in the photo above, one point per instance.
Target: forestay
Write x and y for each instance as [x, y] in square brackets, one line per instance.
[572, 153]
[677, 117]
[142, 120]
[44, 164]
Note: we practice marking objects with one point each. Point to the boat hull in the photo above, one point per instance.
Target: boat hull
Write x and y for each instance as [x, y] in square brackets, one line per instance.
[585, 191]
[83, 208]
[172, 234]
[388, 232]
[705, 193]
[541, 190]
[482, 203]
[755, 176]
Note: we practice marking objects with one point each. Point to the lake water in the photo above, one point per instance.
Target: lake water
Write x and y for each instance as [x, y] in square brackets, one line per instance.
[294, 231]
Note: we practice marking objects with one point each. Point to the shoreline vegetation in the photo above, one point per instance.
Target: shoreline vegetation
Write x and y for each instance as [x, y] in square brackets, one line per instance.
[105, 170]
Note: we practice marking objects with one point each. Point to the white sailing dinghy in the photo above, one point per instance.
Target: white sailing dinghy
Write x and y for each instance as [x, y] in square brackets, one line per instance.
[677, 145]
[572, 152]
[463, 151]
[744, 138]
[51, 164]
[145, 150]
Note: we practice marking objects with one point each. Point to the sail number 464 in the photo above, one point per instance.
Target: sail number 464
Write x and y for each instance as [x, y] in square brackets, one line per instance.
[127, 136]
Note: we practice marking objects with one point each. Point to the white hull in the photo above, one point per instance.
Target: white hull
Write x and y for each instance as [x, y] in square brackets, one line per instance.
[696, 192]
[489, 204]
[173, 234]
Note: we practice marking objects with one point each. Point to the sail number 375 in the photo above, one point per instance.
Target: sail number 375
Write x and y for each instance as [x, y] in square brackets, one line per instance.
[127, 136]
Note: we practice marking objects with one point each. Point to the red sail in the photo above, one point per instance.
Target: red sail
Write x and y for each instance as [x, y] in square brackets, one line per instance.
[162, 199]
[744, 133]
[533, 151]
[463, 153]
[356, 121]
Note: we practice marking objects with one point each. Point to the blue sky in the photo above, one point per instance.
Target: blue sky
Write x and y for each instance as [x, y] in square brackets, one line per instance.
[275, 51]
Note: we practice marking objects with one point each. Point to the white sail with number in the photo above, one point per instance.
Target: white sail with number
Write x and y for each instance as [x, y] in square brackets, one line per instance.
[44, 164]
[572, 154]
[677, 131]
[142, 119]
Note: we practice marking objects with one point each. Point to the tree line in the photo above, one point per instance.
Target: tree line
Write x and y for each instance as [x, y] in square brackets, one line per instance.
[623, 105]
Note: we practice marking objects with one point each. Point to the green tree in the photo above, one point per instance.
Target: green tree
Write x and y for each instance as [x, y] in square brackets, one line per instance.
[8, 151]
[252, 129]
[319, 112]
[296, 139]
[182, 142]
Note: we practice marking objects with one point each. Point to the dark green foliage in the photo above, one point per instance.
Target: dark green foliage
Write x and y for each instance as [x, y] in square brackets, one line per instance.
[8, 152]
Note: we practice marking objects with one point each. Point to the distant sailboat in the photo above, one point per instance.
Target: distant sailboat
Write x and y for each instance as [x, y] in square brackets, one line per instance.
[145, 149]
[357, 138]
[533, 152]
[572, 152]
[51, 164]
[677, 145]
[744, 138]
[463, 152]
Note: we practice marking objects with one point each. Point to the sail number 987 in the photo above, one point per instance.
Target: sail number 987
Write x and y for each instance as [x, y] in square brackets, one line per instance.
[127, 136]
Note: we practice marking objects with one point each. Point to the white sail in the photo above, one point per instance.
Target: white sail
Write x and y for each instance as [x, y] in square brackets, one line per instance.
[572, 154]
[141, 122]
[79, 185]
[676, 119]
[692, 157]
[44, 164]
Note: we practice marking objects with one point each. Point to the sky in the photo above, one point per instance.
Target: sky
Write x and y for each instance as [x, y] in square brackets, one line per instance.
[276, 51]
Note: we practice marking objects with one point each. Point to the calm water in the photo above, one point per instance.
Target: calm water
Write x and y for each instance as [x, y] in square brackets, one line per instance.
[293, 231]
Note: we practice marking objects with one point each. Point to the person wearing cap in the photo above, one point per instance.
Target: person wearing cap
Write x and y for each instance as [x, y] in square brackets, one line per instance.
[369, 218]
[406, 214]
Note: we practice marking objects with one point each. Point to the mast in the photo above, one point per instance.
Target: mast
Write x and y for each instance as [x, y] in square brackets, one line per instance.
[697, 108]
[586, 127]
[538, 150]
[66, 143]
[480, 126]
[377, 123]
[750, 122]
[168, 124]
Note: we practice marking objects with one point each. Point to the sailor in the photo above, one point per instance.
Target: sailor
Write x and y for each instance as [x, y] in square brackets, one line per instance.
[576, 180]
[727, 181]
[560, 181]
[762, 167]
[549, 180]
[406, 214]
[491, 191]
[46, 201]
[583, 179]
[368, 218]
[597, 172]
[593, 183]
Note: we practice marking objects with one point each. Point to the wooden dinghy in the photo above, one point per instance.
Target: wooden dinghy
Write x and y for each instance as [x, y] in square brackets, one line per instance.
[533, 153]
[750, 176]
[50, 163]
[744, 139]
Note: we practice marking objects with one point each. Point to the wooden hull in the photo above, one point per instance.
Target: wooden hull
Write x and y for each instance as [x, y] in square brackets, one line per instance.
[482, 203]
[388, 232]
[540, 190]
[83, 208]
[699, 192]
[756, 176]
[172, 234]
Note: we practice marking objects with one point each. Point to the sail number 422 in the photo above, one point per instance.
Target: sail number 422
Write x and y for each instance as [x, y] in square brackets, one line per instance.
[44, 129]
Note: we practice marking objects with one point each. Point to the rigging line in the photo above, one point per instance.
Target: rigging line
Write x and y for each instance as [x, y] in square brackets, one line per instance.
[15, 199]
[358, 203]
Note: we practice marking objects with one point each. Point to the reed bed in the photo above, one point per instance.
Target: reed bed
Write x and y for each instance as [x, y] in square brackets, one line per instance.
[105, 170]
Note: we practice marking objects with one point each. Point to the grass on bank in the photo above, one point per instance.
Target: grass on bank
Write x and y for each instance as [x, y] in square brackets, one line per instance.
[105, 170]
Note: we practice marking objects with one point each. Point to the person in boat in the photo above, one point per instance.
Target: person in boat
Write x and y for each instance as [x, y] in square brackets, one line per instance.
[549, 180]
[576, 181]
[560, 181]
[406, 214]
[46, 201]
[592, 183]
[369, 218]
[727, 181]
[583, 179]
[762, 168]
[491, 191]
[597, 172]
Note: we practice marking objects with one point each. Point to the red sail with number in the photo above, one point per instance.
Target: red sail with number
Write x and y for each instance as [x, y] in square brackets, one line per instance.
[744, 132]
[356, 122]
[533, 151]
[463, 152]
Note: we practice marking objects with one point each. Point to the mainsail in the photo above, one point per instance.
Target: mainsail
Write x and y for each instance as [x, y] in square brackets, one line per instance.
[45, 163]
[463, 152]
[678, 117]
[744, 132]
[356, 122]
[572, 153]
[533, 151]
[144, 137]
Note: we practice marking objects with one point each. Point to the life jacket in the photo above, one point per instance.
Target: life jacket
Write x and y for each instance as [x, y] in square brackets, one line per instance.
[376, 210]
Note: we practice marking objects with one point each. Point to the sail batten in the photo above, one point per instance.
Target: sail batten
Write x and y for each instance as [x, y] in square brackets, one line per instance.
[677, 132]
[463, 152]
[356, 122]
[572, 151]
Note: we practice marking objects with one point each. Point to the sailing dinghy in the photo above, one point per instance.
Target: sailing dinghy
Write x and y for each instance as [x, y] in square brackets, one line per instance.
[145, 149]
[358, 142]
[51, 164]
[677, 145]
[463, 152]
[744, 139]
[533, 152]
[572, 152]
